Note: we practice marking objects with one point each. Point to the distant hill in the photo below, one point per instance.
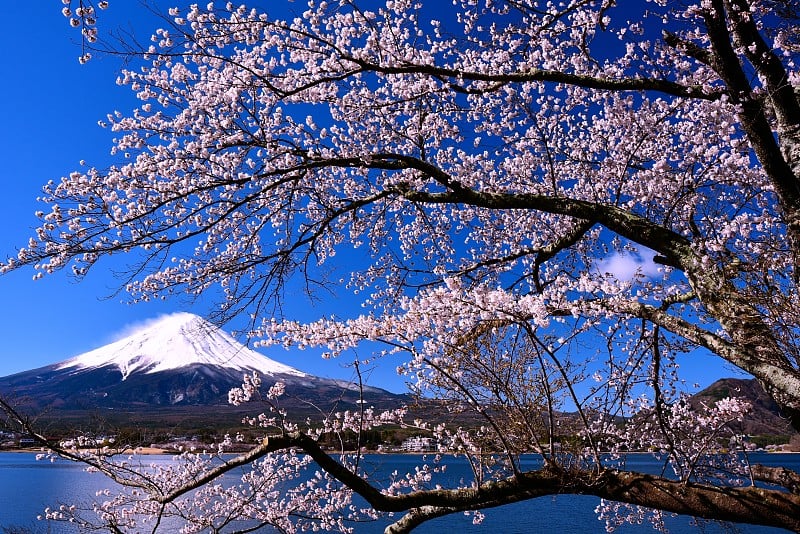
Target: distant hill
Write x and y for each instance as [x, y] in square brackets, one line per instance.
[764, 418]
[179, 364]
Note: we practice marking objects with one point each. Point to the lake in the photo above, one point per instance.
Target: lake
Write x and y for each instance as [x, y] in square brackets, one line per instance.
[28, 486]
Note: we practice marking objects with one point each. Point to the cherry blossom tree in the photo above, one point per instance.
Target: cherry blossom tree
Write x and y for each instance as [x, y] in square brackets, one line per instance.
[487, 163]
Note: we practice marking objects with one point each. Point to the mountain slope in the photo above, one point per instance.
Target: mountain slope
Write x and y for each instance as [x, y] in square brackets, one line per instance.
[764, 417]
[178, 360]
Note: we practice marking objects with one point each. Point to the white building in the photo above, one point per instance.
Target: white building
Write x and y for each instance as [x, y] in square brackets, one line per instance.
[419, 444]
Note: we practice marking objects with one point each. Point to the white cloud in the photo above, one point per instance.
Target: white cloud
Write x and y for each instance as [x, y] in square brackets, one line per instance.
[625, 266]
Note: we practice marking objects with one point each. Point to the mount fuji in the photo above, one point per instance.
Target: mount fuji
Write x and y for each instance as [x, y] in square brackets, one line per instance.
[178, 360]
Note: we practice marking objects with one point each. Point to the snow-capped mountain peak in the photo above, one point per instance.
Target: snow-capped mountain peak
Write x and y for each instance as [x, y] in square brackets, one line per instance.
[175, 341]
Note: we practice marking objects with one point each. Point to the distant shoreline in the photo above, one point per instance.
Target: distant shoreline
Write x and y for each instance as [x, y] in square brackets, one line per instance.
[140, 450]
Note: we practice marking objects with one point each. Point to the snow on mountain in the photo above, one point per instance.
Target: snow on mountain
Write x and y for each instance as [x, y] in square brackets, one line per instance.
[173, 342]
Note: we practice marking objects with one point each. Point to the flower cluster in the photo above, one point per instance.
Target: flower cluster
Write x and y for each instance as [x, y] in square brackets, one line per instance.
[250, 386]
[83, 16]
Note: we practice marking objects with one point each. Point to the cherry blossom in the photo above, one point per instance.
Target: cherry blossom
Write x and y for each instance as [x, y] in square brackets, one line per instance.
[485, 166]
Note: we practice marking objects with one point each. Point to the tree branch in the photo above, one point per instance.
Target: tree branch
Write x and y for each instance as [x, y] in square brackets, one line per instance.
[748, 505]
[777, 475]
[674, 247]
[542, 75]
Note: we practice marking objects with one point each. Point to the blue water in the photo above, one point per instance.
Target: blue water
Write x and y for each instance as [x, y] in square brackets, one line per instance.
[28, 486]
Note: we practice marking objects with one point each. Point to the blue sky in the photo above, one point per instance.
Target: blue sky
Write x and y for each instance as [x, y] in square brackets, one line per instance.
[49, 124]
